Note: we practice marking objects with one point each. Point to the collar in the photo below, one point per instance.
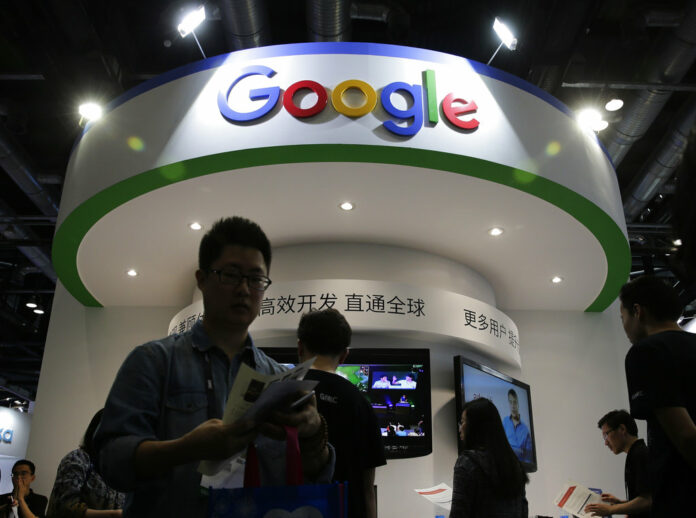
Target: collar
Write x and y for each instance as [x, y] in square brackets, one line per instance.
[201, 341]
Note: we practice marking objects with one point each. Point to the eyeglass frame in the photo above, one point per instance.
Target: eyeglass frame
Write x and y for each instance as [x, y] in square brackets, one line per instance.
[606, 434]
[23, 474]
[242, 276]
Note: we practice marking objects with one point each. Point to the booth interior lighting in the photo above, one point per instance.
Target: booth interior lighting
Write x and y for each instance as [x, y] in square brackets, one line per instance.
[556, 279]
[505, 34]
[132, 272]
[592, 119]
[190, 21]
[614, 105]
[195, 226]
[346, 205]
[39, 311]
[31, 304]
[495, 231]
[90, 111]
[677, 242]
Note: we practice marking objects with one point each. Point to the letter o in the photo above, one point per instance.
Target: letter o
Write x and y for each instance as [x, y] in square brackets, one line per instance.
[296, 111]
[366, 89]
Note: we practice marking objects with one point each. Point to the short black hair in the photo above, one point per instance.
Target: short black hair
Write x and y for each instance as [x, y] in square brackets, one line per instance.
[233, 231]
[655, 295]
[616, 418]
[512, 392]
[24, 462]
[325, 332]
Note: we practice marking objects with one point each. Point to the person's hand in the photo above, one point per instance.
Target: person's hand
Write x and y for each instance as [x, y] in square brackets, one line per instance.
[608, 497]
[117, 513]
[22, 488]
[306, 419]
[598, 509]
[214, 440]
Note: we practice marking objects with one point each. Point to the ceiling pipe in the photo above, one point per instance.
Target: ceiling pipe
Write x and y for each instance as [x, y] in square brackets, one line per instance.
[663, 163]
[17, 167]
[245, 23]
[674, 58]
[328, 20]
[35, 254]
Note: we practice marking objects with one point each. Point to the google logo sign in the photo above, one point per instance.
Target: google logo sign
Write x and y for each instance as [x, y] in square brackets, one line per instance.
[422, 105]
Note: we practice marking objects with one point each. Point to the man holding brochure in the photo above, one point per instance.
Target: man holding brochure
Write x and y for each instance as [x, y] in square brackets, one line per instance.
[162, 416]
[620, 434]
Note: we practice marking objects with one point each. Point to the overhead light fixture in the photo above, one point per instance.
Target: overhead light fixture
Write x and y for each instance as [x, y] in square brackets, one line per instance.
[132, 273]
[189, 23]
[677, 242]
[556, 279]
[90, 112]
[505, 35]
[195, 226]
[495, 231]
[601, 125]
[39, 311]
[346, 205]
[591, 119]
[31, 303]
[614, 105]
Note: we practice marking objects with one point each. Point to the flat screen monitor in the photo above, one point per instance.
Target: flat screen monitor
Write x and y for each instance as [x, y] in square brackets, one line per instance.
[396, 383]
[511, 397]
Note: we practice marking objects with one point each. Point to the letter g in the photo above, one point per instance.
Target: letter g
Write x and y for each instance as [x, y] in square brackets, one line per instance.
[271, 93]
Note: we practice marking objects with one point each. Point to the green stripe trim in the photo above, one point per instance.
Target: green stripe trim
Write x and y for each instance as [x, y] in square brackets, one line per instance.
[74, 228]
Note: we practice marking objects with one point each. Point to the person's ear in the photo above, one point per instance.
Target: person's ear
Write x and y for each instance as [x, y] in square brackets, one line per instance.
[343, 357]
[200, 277]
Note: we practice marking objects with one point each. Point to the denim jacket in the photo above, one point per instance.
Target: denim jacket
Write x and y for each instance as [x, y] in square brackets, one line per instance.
[160, 393]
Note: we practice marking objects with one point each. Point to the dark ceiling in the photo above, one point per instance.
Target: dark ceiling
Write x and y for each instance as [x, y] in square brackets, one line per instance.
[54, 54]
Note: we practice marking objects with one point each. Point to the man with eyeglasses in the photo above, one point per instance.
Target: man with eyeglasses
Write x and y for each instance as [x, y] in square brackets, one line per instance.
[620, 435]
[23, 500]
[161, 417]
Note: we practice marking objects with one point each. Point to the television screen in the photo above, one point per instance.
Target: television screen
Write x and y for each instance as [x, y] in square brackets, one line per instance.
[396, 383]
[511, 397]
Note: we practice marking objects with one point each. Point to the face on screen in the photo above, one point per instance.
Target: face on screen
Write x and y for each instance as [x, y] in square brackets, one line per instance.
[512, 402]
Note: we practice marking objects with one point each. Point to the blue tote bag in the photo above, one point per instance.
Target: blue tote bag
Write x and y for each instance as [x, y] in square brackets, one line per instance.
[295, 500]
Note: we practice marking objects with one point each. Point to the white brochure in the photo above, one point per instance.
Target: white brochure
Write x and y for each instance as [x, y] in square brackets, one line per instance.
[252, 396]
[573, 498]
[440, 495]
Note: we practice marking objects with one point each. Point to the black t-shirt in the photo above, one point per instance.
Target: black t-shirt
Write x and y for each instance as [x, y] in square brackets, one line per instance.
[353, 431]
[636, 474]
[659, 373]
[35, 502]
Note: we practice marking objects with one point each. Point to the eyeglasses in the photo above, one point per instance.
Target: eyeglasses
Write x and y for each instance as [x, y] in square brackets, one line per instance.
[232, 277]
[21, 474]
[606, 434]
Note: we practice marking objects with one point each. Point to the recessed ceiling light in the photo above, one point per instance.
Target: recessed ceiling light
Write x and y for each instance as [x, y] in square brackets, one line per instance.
[31, 304]
[132, 273]
[613, 105]
[39, 311]
[195, 226]
[495, 231]
[677, 242]
[556, 279]
[346, 205]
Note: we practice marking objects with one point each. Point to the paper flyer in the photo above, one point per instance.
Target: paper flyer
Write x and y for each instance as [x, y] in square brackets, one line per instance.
[573, 498]
[253, 394]
[440, 495]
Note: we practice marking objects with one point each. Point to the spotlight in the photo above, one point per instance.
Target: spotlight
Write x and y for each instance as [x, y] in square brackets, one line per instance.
[495, 231]
[90, 112]
[190, 21]
[505, 35]
[346, 205]
[614, 105]
[556, 279]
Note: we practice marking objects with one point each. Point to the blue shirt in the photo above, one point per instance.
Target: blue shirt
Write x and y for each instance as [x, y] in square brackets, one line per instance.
[159, 394]
[519, 438]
